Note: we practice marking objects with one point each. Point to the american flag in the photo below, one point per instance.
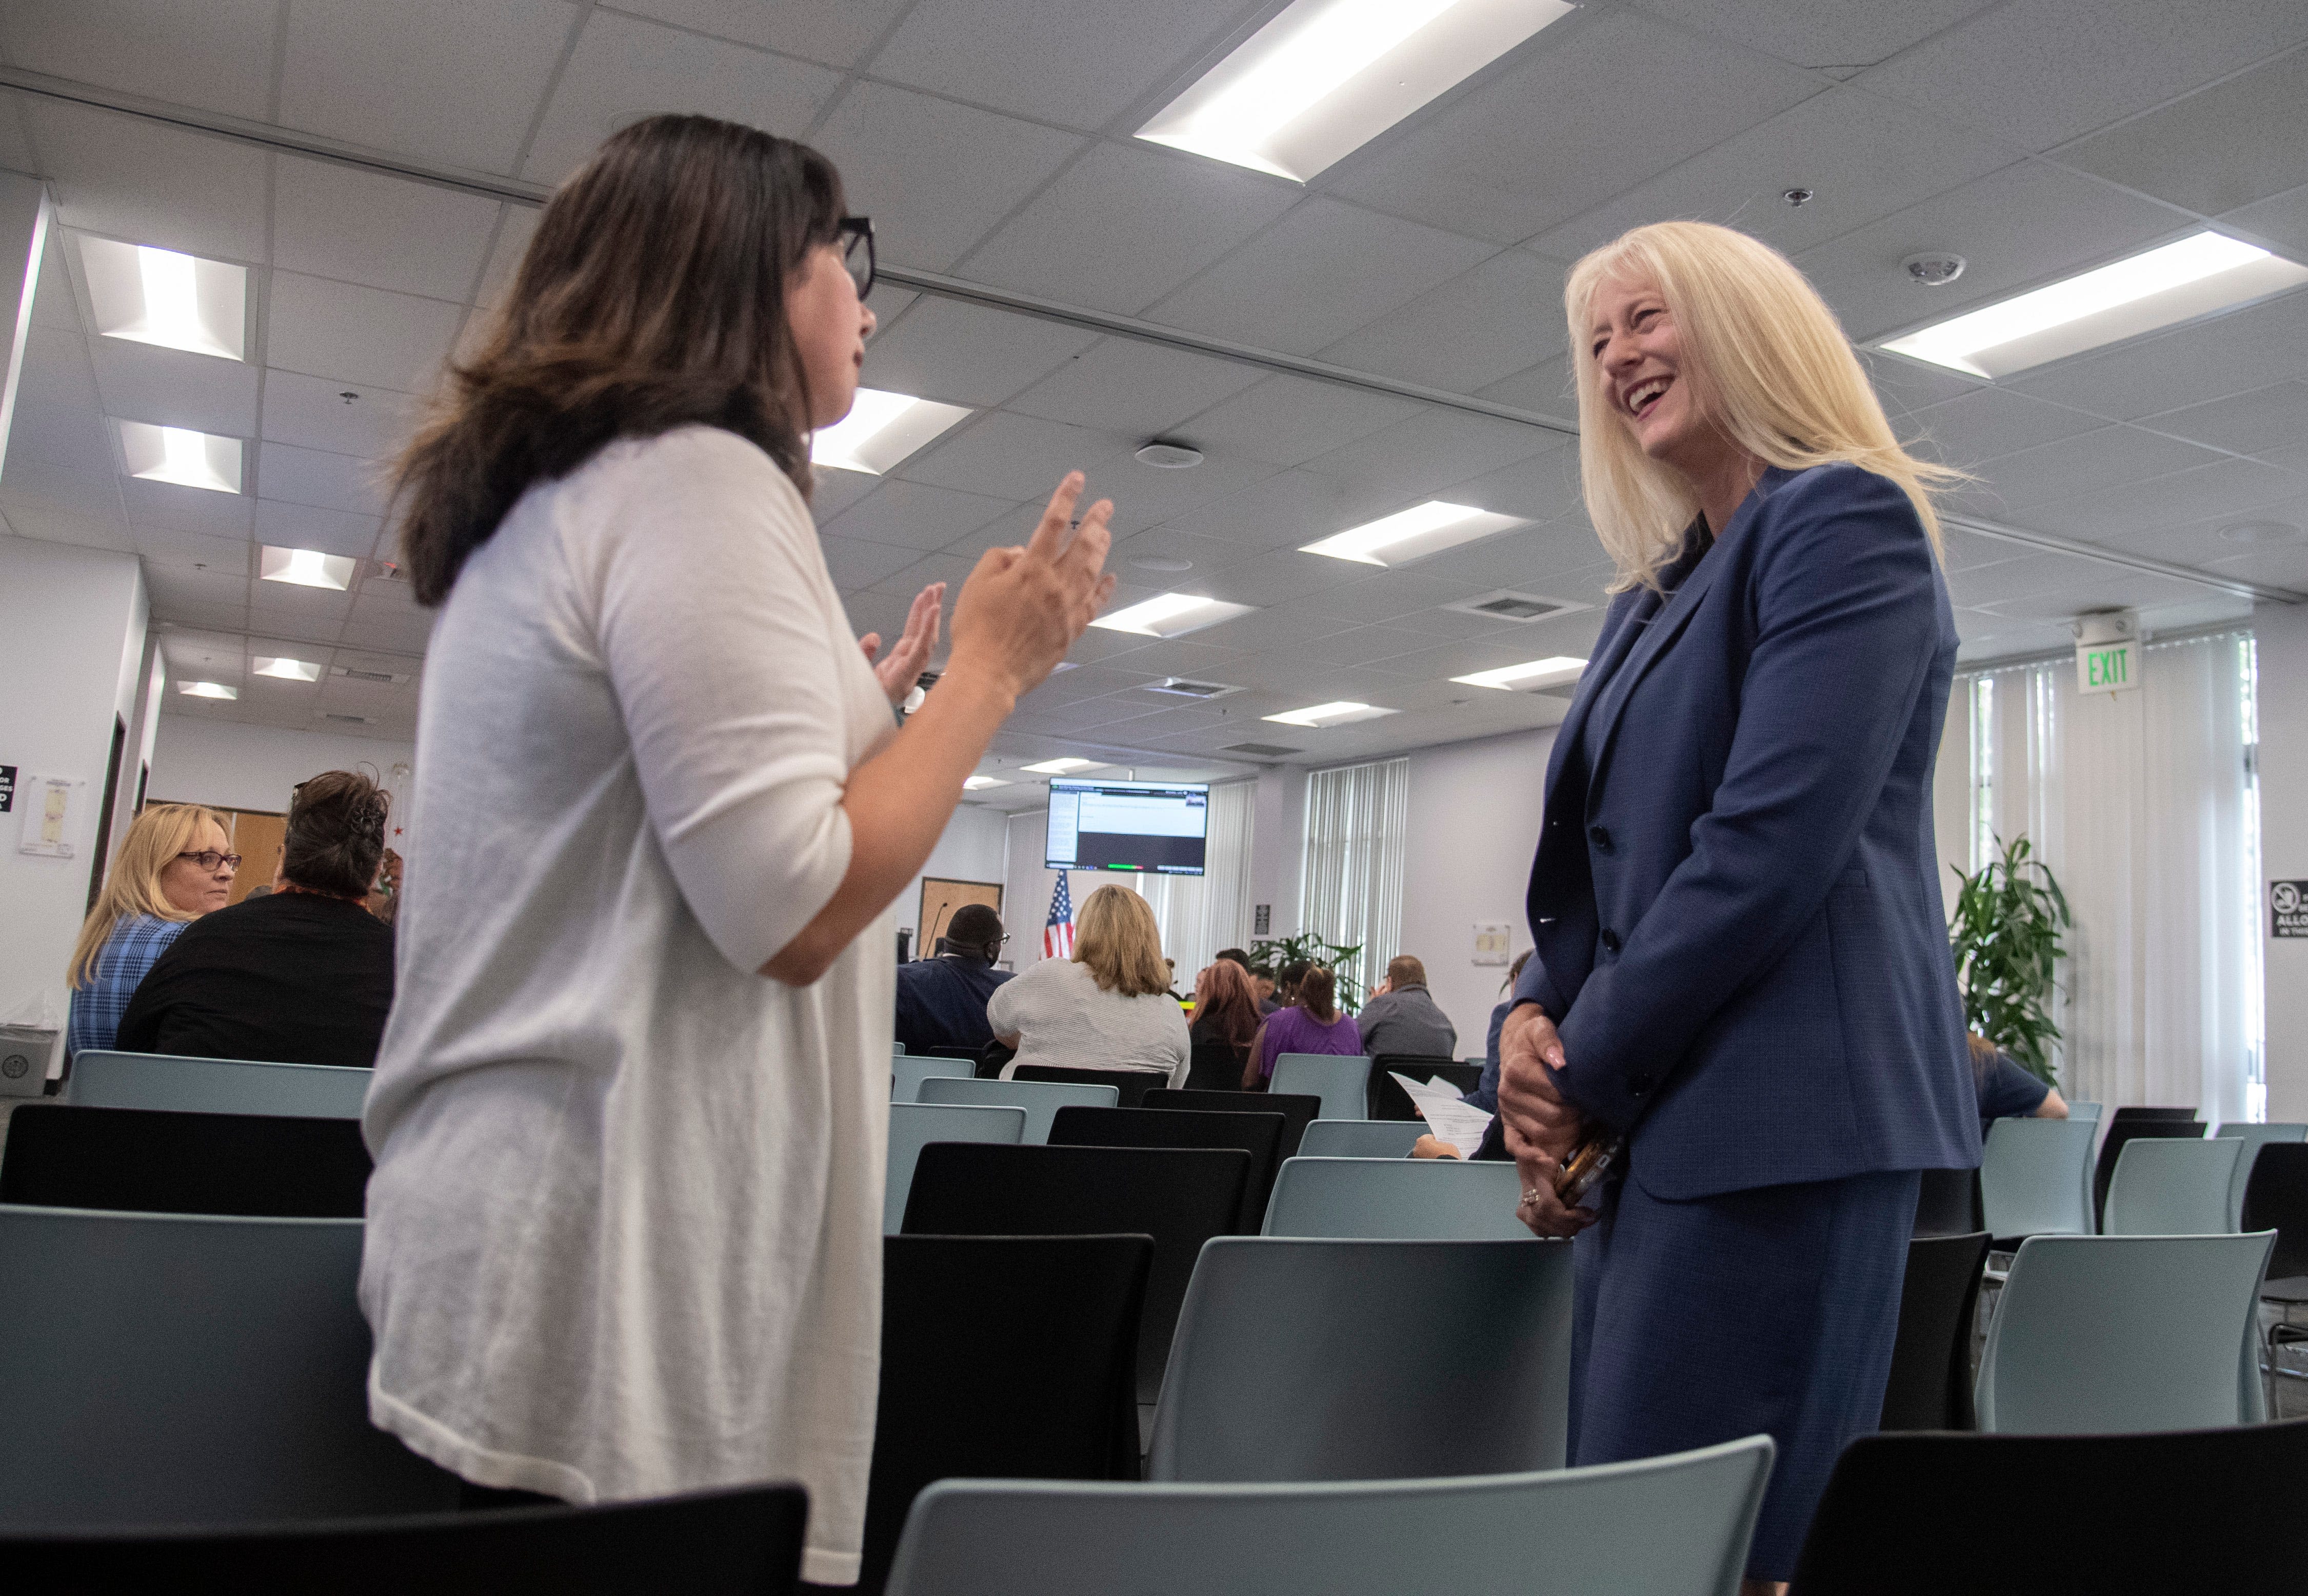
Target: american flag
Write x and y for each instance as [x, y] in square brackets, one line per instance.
[1058, 934]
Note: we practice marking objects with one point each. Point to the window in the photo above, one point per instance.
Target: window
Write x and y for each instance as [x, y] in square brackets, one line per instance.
[1350, 883]
[1201, 914]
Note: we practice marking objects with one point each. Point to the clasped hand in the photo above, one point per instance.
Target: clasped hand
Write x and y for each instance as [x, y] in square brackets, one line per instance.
[1541, 1126]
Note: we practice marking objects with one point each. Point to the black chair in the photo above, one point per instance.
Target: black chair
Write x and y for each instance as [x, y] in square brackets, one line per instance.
[969, 1053]
[1385, 1099]
[1133, 1084]
[2129, 1126]
[1214, 1068]
[1948, 1203]
[1298, 1110]
[1006, 1357]
[741, 1542]
[154, 1160]
[2275, 1198]
[1257, 1134]
[2185, 1510]
[1930, 1387]
[1180, 1196]
[2133, 1111]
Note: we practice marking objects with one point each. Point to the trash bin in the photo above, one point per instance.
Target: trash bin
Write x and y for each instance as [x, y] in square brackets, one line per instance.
[24, 1054]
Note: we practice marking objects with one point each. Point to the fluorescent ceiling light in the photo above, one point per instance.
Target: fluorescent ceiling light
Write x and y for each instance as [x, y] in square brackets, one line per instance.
[306, 568]
[1327, 76]
[1063, 767]
[980, 783]
[2199, 274]
[1412, 534]
[207, 690]
[287, 670]
[179, 455]
[1171, 615]
[880, 430]
[1329, 714]
[159, 296]
[1532, 676]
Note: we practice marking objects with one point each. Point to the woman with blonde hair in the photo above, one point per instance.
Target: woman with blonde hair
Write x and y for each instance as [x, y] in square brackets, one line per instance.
[173, 866]
[1107, 1007]
[1742, 970]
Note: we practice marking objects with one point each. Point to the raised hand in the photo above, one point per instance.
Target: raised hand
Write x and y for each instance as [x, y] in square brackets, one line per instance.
[1022, 609]
[912, 653]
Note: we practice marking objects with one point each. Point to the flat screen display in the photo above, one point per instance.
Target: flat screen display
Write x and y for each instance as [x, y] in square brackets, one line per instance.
[1154, 827]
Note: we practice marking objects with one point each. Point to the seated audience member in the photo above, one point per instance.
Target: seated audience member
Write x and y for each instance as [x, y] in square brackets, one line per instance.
[1486, 1095]
[1403, 1017]
[1310, 1024]
[2006, 1090]
[173, 866]
[1286, 984]
[384, 900]
[1226, 1010]
[941, 1001]
[1107, 1007]
[1262, 986]
[301, 976]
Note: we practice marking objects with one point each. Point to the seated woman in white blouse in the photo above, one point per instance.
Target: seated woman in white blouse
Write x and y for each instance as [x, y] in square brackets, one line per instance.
[1107, 1007]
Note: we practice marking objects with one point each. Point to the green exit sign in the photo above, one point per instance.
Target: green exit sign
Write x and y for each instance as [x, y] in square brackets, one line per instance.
[2108, 667]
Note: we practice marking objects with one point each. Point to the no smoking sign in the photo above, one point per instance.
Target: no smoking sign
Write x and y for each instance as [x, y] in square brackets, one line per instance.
[2287, 909]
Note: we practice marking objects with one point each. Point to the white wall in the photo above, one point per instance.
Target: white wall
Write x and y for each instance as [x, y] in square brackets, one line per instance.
[969, 848]
[2282, 637]
[234, 766]
[1027, 887]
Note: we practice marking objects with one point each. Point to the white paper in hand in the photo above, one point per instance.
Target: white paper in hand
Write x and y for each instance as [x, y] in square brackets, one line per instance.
[1461, 1124]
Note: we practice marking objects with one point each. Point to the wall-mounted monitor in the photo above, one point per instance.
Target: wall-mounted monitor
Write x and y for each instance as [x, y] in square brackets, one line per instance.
[1157, 828]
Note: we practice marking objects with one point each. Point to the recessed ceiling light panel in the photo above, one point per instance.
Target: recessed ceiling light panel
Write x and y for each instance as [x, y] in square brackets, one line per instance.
[1532, 676]
[285, 668]
[1171, 615]
[1326, 76]
[980, 783]
[306, 568]
[880, 431]
[159, 296]
[1341, 712]
[1412, 534]
[207, 690]
[1066, 766]
[180, 456]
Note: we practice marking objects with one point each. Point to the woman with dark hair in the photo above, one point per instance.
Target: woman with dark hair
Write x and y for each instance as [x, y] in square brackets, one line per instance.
[1312, 1023]
[302, 975]
[1226, 1009]
[631, 1114]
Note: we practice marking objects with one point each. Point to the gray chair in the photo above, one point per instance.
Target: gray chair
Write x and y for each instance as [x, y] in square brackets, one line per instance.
[1677, 1525]
[2254, 1137]
[2100, 1334]
[2035, 1178]
[104, 1079]
[1401, 1360]
[915, 1126]
[1041, 1099]
[2171, 1188]
[1342, 1084]
[1399, 1199]
[1361, 1138]
[907, 1071]
[190, 1369]
[2086, 1112]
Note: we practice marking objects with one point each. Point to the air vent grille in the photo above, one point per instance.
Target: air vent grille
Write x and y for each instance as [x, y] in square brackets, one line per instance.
[344, 720]
[1179, 686]
[1260, 750]
[1506, 605]
[392, 679]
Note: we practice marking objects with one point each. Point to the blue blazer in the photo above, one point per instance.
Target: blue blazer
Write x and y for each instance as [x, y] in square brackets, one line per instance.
[1737, 910]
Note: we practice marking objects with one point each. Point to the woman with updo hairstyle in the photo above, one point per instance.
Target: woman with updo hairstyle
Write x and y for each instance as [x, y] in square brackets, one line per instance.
[174, 866]
[302, 975]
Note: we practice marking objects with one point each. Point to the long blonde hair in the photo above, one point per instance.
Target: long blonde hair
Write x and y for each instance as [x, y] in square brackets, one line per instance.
[132, 887]
[1772, 368]
[1114, 934]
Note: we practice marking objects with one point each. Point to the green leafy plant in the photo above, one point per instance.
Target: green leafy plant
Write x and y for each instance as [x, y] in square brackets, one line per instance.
[1308, 948]
[2005, 935]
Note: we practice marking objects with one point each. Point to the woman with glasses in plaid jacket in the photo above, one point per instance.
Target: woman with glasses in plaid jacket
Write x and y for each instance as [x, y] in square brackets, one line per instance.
[176, 866]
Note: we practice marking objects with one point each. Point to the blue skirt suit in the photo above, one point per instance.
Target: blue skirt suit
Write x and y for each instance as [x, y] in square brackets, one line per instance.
[1739, 935]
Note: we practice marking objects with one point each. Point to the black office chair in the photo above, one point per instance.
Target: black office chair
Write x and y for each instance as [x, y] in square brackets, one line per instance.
[2131, 1124]
[1133, 1084]
[153, 1160]
[2275, 1198]
[1930, 1387]
[970, 1053]
[1006, 1357]
[742, 1542]
[1949, 1202]
[1384, 1096]
[1257, 1134]
[1298, 1110]
[1214, 1068]
[2183, 1510]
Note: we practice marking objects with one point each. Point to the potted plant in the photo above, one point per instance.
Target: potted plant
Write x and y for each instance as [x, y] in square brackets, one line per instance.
[2005, 935]
[1308, 948]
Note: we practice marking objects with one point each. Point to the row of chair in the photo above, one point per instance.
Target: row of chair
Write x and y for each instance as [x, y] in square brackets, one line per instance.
[1352, 1087]
[2153, 1176]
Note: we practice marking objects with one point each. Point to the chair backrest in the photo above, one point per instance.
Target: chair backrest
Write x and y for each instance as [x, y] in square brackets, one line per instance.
[2254, 1137]
[2133, 1113]
[1341, 1082]
[1298, 1110]
[174, 1369]
[2035, 1177]
[744, 1541]
[1402, 1199]
[102, 1079]
[150, 1160]
[1930, 1386]
[2086, 1111]
[1298, 1360]
[1383, 1096]
[1180, 1196]
[1677, 1524]
[2095, 1334]
[2161, 1125]
[1041, 1099]
[1132, 1085]
[968, 1054]
[907, 1071]
[2196, 1510]
[2276, 1198]
[915, 1126]
[2171, 1188]
[1361, 1138]
[1257, 1134]
[1213, 1066]
[1003, 1356]
[1947, 1202]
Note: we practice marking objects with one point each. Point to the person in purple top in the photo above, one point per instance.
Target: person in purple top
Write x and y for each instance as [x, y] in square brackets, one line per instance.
[1310, 1024]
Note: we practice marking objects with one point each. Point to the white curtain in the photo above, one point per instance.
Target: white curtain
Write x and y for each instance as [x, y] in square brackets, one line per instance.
[1201, 914]
[1350, 888]
[2145, 806]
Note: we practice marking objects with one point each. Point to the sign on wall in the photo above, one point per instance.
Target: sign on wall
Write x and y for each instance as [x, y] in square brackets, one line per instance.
[2287, 909]
[7, 787]
[1494, 942]
[51, 814]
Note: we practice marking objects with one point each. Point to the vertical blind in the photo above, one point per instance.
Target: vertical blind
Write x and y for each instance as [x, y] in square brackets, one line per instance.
[1201, 914]
[1350, 883]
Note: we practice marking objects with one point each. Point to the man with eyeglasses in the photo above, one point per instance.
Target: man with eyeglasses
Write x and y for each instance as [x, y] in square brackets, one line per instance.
[942, 1000]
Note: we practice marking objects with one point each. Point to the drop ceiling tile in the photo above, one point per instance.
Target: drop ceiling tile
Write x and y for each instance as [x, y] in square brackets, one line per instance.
[63, 506]
[514, 233]
[917, 516]
[1552, 562]
[219, 57]
[357, 335]
[912, 576]
[186, 509]
[195, 551]
[1906, 386]
[2220, 147]
[1140, 389]
[1988, 424]
[2015, 579]
[2281, 222]
[2235, 353]
[383, 232]
[1279, 576]
[302, 526]
[2077, 467]
[326, 482]
[625, 68]
[837, 35]
[313, 413]
[1818, 33]
[2284, 566]
[1962, 551]
[181, 585]
[855, 564]
[58, 420]
[454, 81]
[2231, 489]
[140, 381]
[281, 603]
[1287, 421]
[150, 184]
[1203, 555]
[1416, 458]
[968, 354]
[835, 490]
[1282, 512]
[2246, 423]
[1004, 455]
[1322, 271]
[1542, 487]
[2200, 543]
[1146, 496]
[1501, 317]
[230, 617]
[2109, 587]
[1545, 388]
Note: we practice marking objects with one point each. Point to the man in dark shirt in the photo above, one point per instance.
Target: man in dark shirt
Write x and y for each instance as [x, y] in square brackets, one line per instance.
[942, 1000]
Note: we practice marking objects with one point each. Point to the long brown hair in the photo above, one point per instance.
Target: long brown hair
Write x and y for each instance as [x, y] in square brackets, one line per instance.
[1114, 934]
[1226, 1008]
[158, 834]
[1318, 994]
[652, 296]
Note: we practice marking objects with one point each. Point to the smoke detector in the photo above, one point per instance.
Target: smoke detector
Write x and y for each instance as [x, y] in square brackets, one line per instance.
[1797, 197]
[1936, 268]
[1169, 456]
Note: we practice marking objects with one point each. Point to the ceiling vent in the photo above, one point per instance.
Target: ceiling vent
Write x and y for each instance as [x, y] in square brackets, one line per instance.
[344, 720]
[1179, 686]
[1260, 750]
[388, 571]
[1509, 606]
[383, 678]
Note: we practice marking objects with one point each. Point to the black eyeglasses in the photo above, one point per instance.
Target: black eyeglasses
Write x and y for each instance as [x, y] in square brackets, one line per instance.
[208, 859]
[857, 236]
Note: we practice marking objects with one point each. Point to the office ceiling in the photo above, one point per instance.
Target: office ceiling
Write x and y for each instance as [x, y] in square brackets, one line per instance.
[990, 139]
